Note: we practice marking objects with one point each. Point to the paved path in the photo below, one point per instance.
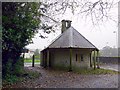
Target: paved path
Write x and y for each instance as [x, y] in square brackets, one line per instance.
[62, 79]
[30, 64]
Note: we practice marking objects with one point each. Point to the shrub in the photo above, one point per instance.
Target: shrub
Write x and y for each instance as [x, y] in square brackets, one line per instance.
[19, 67]
[9, 69]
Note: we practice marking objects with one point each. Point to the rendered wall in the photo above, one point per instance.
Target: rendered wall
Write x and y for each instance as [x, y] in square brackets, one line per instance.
[61, 58]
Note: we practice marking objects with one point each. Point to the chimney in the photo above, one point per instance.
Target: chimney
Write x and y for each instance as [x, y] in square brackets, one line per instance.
[65, 25]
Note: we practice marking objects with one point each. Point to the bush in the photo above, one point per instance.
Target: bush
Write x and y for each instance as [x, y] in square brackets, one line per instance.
[26, 75]
[19, 67]
[10, 79]
[9, 69]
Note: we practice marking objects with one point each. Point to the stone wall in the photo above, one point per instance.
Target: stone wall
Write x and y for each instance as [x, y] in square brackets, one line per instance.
[109, 60]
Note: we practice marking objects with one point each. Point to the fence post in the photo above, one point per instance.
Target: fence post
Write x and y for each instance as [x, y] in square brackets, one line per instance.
[23, 55]
[33, 59]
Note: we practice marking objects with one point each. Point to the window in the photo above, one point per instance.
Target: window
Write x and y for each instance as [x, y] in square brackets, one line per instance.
[76, 57]
[81, 57]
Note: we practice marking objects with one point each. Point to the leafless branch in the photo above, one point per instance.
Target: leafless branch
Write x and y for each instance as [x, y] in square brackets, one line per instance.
[49, 18]
[97, 10]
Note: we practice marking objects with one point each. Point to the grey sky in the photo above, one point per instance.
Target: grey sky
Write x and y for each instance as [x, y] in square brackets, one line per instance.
[100, 36]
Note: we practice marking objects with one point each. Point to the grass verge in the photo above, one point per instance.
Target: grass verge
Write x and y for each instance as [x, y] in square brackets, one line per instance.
[87, 71]
[96, 71]
[30, 61]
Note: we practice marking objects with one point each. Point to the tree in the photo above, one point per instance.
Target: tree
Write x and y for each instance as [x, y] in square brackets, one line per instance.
[36, 52]
[108, 51]
[20, 21]
[98, 11]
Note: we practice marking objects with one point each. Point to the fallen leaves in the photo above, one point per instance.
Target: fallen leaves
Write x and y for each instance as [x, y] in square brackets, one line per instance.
[63, 79]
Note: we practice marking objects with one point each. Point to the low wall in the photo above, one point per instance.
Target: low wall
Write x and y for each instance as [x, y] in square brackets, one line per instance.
[109, 60]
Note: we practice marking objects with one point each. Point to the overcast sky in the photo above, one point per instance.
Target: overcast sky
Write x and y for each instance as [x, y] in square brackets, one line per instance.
[100, 36]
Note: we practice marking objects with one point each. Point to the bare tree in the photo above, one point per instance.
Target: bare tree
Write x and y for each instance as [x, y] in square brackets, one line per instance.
[97, 10]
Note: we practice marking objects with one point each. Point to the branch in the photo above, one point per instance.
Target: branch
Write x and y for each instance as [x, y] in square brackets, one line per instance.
[49, 18]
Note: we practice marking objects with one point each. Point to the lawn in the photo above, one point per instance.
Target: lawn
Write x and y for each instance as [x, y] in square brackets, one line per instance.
[30, 61]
